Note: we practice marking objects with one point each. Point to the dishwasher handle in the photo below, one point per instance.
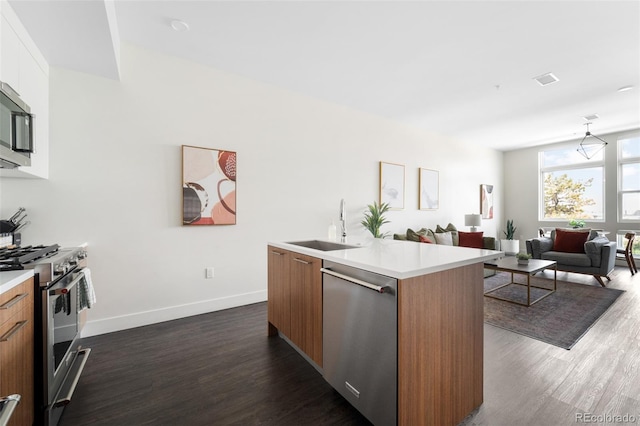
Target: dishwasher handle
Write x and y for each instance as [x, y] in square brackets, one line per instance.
[376, 288]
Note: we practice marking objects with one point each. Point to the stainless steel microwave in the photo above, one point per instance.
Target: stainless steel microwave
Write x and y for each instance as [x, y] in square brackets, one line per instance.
[16, 129]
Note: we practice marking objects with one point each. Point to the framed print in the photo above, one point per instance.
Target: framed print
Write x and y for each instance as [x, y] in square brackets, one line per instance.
[486, 201]
[208, 186]
[429, 193]
[392, 185]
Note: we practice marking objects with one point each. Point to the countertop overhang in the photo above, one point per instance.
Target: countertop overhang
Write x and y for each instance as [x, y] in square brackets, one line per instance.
[396, 258]
[10, 279]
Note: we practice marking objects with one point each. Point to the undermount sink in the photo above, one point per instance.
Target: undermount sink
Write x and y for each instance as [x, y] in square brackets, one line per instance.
[322, 245]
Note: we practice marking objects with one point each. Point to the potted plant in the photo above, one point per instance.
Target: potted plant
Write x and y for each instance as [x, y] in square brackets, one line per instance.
[374, 218]
[523, 258]
[576, 223]
[509, 245]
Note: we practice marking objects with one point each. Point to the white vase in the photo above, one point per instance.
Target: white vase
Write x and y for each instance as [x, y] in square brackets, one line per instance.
[510, 247]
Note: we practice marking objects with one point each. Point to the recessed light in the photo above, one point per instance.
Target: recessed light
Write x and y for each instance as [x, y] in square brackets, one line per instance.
[625, 88]
[546, 79]
[179, 26]
[591, 117]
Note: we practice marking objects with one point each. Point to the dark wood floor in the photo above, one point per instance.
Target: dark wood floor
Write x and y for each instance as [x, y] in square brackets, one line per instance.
[221, 369]
[213, 369]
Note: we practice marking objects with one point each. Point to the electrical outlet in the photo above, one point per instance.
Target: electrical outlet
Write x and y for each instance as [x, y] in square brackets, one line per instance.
[208, 272]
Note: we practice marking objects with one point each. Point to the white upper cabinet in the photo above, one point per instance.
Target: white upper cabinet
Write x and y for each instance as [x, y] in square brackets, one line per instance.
[24, 68]
[10, 53]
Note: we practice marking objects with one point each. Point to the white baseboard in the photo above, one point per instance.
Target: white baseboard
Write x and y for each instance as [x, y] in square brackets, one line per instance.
[139, 319]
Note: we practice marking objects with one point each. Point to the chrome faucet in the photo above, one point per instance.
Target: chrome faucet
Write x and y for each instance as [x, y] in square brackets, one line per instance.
[343, 220]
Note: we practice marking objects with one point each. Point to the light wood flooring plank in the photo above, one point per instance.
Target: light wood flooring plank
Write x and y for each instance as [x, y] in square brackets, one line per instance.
[599, 375]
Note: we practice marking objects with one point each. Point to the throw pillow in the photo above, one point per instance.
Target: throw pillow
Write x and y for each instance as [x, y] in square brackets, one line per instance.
[426, 240]
[444, 238]
[450, 228]
[592, 233]
[471, 239]
[415, 235]
[570, 241]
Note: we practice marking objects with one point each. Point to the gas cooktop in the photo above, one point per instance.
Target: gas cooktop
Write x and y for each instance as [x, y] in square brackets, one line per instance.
[16, 258]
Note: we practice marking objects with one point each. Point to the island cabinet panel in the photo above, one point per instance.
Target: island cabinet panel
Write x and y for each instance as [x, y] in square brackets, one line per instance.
[17, 350]
[294, 301]
[306, 305]
[278, 291]
[440, 346]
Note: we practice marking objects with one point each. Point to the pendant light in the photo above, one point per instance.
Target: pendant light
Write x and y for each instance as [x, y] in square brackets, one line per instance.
[590, 144]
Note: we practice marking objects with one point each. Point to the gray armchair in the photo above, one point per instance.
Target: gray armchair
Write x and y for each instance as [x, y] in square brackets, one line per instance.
[598, 258]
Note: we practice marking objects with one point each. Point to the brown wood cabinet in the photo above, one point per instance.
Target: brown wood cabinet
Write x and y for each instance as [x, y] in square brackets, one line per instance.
[306, 305]
[295, 300]
[278, 291]
[16, 349]
[440, 346]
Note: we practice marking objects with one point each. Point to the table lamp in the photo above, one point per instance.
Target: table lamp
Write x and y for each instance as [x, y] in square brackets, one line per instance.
[472, 220]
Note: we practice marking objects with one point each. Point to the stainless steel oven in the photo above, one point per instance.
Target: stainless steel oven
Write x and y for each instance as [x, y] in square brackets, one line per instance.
[63, 357]
[60, 357]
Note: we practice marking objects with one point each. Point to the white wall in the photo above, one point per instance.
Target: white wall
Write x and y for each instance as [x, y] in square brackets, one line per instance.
[115, 181]
[522, 186]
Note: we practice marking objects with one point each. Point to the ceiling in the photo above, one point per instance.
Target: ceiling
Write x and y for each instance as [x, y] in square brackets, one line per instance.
[459, 68]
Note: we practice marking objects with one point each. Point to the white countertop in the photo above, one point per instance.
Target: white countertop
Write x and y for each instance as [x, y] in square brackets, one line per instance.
[10, 279]
[396, 258]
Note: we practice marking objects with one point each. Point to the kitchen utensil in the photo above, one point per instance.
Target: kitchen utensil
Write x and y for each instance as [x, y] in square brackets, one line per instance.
[16, 214]
[19, 220]
[22, 225]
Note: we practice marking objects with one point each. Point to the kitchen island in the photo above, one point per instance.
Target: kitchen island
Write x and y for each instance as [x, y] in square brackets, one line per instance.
[438, 332]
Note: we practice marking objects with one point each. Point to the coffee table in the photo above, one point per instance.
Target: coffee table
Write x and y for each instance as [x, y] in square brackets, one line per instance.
[510, 264]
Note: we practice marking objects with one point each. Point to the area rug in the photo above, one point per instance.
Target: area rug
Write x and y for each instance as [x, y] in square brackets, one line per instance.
[560, 319]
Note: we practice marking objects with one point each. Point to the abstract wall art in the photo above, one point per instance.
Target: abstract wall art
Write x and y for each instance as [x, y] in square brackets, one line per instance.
[486, 201]
[392, 185]
[208, 186]
[429, 192]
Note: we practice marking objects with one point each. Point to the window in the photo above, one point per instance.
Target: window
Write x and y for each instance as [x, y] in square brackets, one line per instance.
[629, 179]
[571, 187]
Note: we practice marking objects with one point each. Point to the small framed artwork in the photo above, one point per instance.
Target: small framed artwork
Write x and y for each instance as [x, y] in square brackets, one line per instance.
[486, 201]
[208, 186]
[392, 185]
[428, 184]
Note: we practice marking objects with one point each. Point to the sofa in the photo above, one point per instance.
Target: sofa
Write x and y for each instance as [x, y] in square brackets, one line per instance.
[580, 251]
[450, 236]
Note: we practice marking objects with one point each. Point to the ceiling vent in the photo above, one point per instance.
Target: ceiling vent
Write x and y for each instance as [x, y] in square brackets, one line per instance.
[591, 117]
[546, 79]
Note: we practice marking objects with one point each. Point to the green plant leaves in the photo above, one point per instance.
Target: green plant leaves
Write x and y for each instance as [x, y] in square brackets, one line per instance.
[374, 219]
[511, 230]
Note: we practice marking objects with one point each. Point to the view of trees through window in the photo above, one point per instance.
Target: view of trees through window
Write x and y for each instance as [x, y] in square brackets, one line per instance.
[564, 196]
[571, 187]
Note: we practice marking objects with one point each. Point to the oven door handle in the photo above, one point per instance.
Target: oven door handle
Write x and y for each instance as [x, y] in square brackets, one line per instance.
[76, 371]
[66, 288]
[8, 405]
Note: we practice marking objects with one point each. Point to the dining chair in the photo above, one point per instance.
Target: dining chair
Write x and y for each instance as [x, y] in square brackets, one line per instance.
[626, 253]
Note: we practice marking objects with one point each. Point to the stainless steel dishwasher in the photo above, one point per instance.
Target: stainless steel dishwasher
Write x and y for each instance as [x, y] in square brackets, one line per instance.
[360, 344]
